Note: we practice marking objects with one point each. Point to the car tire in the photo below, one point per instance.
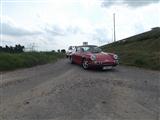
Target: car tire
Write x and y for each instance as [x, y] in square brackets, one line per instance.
[85, 64]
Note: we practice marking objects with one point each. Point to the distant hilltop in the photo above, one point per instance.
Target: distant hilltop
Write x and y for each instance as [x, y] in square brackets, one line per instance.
[153, 33]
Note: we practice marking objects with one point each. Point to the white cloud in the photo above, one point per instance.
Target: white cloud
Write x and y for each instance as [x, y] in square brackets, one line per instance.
[10, 28]
[130, 21]
[62, 24]
[130, 3]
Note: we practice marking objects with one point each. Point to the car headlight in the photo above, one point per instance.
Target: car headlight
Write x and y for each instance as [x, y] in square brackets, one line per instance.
[93, 57]
[115, 56]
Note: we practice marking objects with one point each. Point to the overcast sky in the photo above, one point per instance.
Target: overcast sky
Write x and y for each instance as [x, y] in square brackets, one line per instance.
[57, 24]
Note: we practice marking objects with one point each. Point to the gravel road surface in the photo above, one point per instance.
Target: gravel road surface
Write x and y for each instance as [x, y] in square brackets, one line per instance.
[62, 91]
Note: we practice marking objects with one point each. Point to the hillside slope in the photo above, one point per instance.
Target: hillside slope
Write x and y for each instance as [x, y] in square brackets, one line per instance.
[141, 50]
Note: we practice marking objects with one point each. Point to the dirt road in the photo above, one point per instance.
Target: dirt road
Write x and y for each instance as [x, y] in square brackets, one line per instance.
[62, 91]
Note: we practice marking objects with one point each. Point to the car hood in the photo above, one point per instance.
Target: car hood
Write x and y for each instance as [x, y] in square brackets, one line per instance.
[103, 56]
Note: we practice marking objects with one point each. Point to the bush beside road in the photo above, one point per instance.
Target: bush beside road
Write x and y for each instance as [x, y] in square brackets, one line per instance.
[11, 61]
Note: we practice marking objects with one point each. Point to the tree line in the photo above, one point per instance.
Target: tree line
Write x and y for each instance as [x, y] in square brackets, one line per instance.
[10, 49]
[61, 51]
[19, 49]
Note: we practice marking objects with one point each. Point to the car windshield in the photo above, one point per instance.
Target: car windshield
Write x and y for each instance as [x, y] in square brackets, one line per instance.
[93, 49]
[70, 48]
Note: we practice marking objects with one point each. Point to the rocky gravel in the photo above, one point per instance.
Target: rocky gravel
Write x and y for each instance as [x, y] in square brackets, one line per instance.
[62, 91]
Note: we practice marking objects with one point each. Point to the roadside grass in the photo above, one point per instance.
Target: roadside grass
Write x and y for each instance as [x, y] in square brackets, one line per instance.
[11, 61]
[143, 53]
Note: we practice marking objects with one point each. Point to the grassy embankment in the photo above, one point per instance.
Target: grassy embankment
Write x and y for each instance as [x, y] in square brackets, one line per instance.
[12, 61]
[142, 50]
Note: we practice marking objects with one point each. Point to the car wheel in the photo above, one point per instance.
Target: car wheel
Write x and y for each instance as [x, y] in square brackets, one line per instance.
[85, 64]
[71, 60]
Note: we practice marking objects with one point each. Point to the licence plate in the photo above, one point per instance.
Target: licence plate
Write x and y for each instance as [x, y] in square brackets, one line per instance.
[107, 67]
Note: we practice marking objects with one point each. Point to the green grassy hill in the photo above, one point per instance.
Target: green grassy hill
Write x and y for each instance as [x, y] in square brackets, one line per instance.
[141, 50]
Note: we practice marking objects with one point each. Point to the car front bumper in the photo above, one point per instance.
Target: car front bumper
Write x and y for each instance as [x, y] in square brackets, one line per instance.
[101, 64]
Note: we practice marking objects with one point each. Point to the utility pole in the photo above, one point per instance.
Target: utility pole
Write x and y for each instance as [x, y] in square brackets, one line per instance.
[114, 29]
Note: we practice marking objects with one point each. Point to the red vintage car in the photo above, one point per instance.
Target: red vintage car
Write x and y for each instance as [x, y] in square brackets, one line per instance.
[90, 56]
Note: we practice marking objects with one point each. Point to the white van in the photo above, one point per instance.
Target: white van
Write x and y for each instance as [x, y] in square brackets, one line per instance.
[70, 50]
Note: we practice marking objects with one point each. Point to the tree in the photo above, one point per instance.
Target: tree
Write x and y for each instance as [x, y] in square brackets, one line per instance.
[53, 51]
[58, 51]
[16, 49]
[63, 51]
